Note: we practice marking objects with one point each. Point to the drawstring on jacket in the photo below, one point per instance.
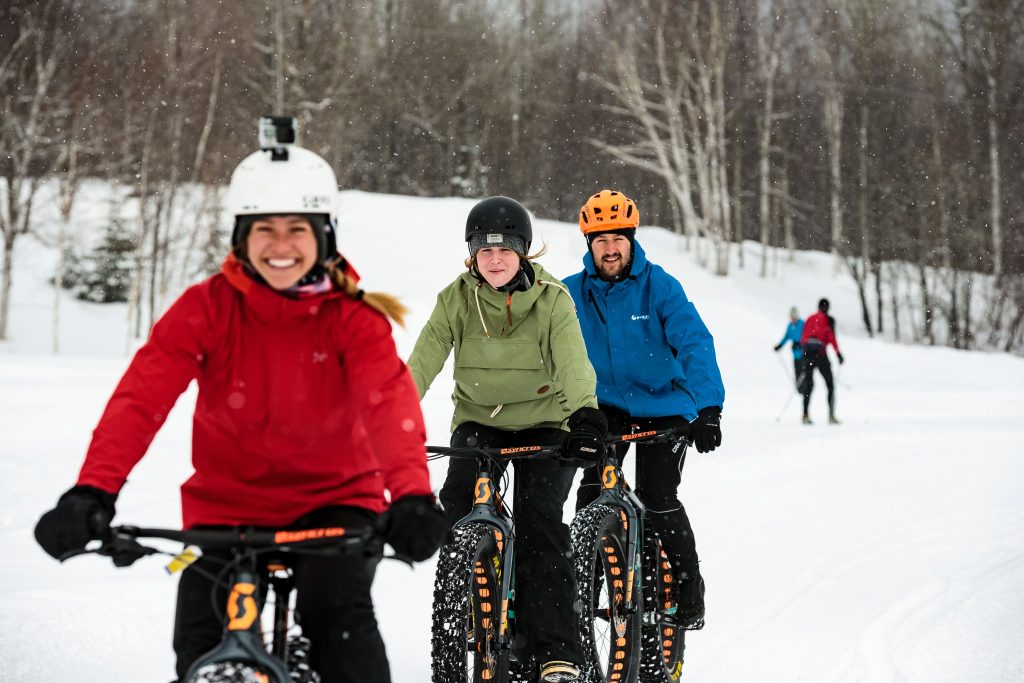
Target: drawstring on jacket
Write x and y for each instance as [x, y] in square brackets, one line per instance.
[508, 303]
[508, 306]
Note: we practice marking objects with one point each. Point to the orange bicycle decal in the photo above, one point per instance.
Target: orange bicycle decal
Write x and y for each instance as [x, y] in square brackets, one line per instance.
[609, 477]
[282, 537]
[638, 435]
[519, 449]
[242, 607]
[483, 491]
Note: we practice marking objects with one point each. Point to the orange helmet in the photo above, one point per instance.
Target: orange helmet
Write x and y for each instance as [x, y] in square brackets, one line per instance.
[608, 210]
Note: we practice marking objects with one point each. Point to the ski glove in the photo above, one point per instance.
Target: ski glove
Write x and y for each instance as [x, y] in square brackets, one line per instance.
[416, 527]
[82, 514]
[778, 346]
[588, 429]
[841, 359]
[706, 429]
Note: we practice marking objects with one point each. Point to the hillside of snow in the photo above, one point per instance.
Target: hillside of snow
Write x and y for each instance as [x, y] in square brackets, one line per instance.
[889, 548]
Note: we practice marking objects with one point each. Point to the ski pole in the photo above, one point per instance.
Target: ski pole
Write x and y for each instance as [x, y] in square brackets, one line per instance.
[786, 405]
[782, 364]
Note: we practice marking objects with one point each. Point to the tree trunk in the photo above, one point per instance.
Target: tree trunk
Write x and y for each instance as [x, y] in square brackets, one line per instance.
[5, 284]
[876, 269]
[996, 209]
[737, 188]
[855, 272]
[926, 303]
[862, 194]
[894, 281]
[787, 216]
[834, 130]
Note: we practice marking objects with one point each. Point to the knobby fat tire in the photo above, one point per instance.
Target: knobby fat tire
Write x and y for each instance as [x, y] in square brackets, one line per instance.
[229, 672]
[298, 660]
[610, 640]
[466, 590]
[662, 642]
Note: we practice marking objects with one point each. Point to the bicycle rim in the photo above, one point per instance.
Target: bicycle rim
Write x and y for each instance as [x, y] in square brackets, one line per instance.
[608, 631]
[465, 641]
[664, 641]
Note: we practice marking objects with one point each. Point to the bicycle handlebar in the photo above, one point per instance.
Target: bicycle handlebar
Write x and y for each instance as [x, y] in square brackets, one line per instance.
[123, 547]
[540, 452]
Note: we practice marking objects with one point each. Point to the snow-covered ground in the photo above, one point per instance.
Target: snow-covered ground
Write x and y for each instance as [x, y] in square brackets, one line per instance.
[890, 548]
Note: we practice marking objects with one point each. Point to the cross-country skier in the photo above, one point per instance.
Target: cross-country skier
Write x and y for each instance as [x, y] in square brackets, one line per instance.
[792, 334]
[818, 334]
[305, 416]
[656, 368]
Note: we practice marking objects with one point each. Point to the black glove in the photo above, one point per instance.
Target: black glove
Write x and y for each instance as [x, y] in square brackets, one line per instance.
[778, 346]
[840, 358]
[588, 429]
[416, 527]
[82, 514]
[706, 429]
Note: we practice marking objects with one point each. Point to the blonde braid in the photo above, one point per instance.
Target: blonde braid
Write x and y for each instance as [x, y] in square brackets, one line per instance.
[382, 302]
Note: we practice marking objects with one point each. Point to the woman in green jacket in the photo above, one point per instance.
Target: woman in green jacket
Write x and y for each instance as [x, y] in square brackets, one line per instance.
[522, 377]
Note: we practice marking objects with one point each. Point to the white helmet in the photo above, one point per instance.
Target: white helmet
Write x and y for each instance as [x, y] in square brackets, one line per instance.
[285, 180]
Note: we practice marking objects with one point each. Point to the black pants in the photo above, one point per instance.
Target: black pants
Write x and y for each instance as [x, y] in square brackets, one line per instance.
[659, 470]
[545, 584]
[798, 368]
[819, 360]
[333, 606]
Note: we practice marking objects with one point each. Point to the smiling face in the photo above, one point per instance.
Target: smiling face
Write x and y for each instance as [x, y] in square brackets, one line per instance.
[497, 265]
[282, 249]
[611, 253]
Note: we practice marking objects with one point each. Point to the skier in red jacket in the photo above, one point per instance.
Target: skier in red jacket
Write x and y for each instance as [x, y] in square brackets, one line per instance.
[305, 416]
[818, 334]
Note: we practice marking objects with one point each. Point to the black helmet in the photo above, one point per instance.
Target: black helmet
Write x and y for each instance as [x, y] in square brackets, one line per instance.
[823, 305]
[496, 219]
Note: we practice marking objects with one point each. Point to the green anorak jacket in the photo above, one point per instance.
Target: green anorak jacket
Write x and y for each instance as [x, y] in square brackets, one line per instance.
[520, 359]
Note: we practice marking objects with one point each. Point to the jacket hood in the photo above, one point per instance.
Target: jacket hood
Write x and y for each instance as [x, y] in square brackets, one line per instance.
[639, 262]
[267, 302]
[503, 311]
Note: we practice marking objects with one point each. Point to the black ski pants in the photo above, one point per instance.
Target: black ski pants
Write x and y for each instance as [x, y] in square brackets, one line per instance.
[545, 584]
[819, 360]
[333, 606]
[659, 469]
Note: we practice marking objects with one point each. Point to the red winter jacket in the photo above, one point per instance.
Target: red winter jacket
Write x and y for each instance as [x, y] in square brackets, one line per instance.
[302, 403]
[818, 327]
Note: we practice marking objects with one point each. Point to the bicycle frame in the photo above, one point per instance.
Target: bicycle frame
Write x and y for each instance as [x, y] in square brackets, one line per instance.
[243, 638]
[489, 509]
[618, 494]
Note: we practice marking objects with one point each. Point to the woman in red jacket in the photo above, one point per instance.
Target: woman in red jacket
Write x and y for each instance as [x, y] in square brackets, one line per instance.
[305, 415]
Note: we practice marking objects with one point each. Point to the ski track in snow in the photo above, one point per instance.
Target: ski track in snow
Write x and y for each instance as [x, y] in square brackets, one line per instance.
[888, 549]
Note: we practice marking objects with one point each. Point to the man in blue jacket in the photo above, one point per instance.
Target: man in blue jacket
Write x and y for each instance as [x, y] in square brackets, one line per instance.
[656, 368]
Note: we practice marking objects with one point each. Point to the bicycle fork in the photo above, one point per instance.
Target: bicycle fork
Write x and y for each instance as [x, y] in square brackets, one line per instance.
[489, 509]
[617, 493]
[243, 640]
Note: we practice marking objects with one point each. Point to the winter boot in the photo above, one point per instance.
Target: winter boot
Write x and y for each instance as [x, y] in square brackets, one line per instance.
[807, 419]
[558, 671]
[691, 601]
[833, 421]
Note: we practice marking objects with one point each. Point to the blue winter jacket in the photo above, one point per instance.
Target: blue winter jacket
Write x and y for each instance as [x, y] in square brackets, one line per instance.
[793, 332]
[653, 355]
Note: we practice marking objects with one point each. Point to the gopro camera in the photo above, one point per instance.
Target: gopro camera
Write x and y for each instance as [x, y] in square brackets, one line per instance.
[277, 132]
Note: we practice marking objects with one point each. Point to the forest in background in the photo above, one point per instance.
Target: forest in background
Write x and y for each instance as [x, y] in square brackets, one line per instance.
[889, 133]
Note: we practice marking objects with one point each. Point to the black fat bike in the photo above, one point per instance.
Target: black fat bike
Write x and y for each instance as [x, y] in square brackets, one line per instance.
[625, 580]
[474, 622]
[246, 654]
